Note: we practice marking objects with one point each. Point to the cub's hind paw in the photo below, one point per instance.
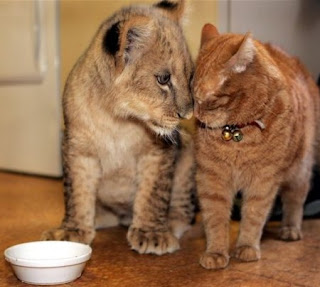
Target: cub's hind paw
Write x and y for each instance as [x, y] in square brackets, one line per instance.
[290, 233]
[214, 260]
[247, 253]
[178, 228]
[156, 242]
[68, 235]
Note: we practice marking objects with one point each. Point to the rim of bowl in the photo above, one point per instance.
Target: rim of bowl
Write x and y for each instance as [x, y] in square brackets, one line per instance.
[44, 263]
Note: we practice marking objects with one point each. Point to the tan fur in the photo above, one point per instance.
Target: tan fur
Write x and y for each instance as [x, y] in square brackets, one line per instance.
[239, 80]
[122, 152]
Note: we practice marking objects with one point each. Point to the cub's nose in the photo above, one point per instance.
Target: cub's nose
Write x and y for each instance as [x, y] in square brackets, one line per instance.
[186, 114]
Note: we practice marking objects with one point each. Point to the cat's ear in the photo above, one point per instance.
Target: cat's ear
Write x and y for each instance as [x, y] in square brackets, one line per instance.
[173, 9]
[244, 56]
[127, 41]
[209, 32]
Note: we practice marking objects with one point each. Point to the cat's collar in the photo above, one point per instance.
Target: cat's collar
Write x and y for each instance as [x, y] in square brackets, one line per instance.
[233, 132]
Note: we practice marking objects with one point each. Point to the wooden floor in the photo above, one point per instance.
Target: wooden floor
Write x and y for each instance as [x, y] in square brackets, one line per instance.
[29, 205]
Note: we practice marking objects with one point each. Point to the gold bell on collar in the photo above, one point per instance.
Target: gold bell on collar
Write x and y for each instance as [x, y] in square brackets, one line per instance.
[232, 132]
[227, 135]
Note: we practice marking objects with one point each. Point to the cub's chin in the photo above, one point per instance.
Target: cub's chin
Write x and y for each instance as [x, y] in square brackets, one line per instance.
[163, 130]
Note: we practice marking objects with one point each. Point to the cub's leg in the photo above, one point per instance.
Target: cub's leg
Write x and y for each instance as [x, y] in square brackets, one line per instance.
[81, 177]
[257, 203]
[293, 197]
[183, 198]
[215, 196]
[149, 232]
[104, 217]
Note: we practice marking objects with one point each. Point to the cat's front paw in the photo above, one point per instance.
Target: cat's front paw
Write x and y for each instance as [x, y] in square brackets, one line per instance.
[247, 253]
[156, 242]
[290, 233]
[214, 260]
[69, 235]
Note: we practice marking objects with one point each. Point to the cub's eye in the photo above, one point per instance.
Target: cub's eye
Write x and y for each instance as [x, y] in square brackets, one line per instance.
[163, 79]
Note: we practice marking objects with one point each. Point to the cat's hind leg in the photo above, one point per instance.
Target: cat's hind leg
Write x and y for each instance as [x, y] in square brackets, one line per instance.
[293, 196]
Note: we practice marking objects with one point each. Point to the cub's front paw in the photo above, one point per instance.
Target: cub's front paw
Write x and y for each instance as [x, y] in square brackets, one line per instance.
[290, 233]
[69, 235]
[214, 260]
[157, 242]
[247, 253]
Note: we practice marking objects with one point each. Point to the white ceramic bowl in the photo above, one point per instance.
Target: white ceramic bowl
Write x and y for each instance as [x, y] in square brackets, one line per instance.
[48, 262]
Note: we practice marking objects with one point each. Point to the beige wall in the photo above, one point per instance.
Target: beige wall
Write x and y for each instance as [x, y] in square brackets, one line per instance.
[80, 20]
[30, 115]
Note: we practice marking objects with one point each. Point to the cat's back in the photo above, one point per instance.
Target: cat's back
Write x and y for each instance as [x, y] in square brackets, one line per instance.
[303, 93]
[297, 80]
[291, 68]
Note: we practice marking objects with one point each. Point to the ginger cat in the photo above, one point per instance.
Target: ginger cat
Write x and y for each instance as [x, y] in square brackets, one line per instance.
[258, 131]
[124, 159]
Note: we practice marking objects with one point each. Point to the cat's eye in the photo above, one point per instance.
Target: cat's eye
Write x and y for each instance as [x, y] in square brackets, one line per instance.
[163, 79]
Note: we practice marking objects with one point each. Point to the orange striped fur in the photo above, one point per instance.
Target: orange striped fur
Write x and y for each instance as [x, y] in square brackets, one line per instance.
[239, 80]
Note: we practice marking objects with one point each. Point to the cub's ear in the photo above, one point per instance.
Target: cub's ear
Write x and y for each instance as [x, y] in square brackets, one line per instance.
[135, 37]
[244, 55]
[173, 9]
[209, 31]
[126, 41]
[111, 39]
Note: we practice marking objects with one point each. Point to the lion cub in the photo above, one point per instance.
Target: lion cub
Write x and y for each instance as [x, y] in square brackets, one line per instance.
[124, 160]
